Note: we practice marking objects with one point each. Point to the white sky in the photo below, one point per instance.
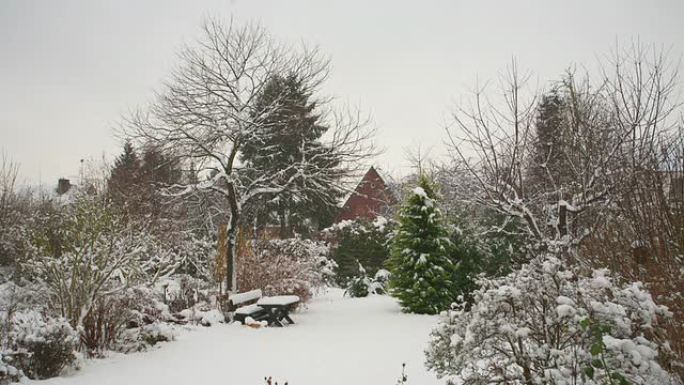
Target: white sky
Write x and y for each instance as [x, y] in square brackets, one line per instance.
[70, 69]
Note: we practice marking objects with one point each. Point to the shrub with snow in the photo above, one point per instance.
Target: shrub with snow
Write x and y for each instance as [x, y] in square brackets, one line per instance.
[360, 241]
[358, 286]
[183, 291]
[547, 324]
[282, 267]
[95, 254]
[157, 332]
[16, 299]
[8, 373]
[362, 285]
[202, 314]
[103, 328]
[49, 344]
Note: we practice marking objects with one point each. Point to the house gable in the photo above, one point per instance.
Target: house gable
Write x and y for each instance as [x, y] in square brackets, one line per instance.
[369, 200]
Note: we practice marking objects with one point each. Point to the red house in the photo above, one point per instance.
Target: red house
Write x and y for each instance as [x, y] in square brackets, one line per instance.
[370, 199]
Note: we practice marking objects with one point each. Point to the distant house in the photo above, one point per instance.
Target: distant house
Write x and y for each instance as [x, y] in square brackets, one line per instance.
[371, 198]
[63, 186]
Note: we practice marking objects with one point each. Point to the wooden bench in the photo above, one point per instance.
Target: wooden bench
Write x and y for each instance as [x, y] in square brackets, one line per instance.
[252, 304]
[244, 305]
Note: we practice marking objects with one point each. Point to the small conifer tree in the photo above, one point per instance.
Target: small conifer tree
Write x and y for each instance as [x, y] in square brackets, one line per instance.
[422, 271]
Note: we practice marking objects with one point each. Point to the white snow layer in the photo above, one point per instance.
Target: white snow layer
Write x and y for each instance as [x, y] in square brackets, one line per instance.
[246, 296]
[420, 192]
[281, 300]
[335, 341]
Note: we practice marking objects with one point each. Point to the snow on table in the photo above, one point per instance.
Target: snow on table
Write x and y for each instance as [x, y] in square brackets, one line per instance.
[278, 300]
[337, 341]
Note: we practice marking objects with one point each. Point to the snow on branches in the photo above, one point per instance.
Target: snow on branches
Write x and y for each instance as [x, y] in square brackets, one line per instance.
[420, 265]
[210, 111]
[549, 324]
[282, 267]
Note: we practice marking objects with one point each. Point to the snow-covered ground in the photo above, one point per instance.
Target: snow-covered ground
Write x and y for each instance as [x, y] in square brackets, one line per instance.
[336, 340]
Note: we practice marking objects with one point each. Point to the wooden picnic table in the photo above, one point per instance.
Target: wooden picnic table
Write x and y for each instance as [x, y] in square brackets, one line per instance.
[278, 308]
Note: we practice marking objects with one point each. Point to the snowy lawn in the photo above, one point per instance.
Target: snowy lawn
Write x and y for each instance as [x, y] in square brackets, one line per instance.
[336, 340]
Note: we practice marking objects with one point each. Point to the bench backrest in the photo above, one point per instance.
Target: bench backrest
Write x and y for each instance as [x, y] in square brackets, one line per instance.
[238, 299]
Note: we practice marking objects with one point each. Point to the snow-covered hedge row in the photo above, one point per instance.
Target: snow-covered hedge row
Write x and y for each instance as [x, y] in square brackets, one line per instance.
[37, 343]
[546, 324]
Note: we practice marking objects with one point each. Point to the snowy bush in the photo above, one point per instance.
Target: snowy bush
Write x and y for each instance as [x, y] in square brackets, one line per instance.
[142, 338]
[157, 332]
[8, 373]
[183, 291]
[49, 344]
[380, 281]
[185, 253]
[282, 267]
[15, 212]
[328, 269]
[362, 285]
[95, 255]
[202, 314]
[16, 298]
[103, 327]
[360, 241]
[358, 286]
[547, 324]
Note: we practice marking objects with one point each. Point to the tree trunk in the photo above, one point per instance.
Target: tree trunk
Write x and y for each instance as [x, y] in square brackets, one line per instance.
[284, 223]
[567, 251]
[563, 220]
[231, 250]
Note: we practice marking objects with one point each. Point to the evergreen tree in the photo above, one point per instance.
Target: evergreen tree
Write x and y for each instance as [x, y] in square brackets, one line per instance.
[289, 130]
[421, 270]
[156, 170]
[477, 254]
[549, 157]
[124, 178]
[134, 181]
[361, 243]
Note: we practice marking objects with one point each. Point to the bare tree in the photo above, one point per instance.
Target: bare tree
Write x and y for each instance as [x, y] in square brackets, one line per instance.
[606, 193]
[491, 143]
[10, 211]
[8, 181]
[207, 111]
[600, 125]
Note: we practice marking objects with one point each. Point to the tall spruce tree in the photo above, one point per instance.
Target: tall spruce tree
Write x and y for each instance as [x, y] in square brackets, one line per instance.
[134, 180]
[548, 156]
[422, 271]
[291, 127]
[124, 179]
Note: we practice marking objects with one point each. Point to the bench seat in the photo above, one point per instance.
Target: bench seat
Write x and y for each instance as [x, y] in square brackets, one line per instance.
[253, 311]
[249, 309]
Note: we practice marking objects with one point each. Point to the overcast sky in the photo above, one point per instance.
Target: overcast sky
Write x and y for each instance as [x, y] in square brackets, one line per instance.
[70, 69]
